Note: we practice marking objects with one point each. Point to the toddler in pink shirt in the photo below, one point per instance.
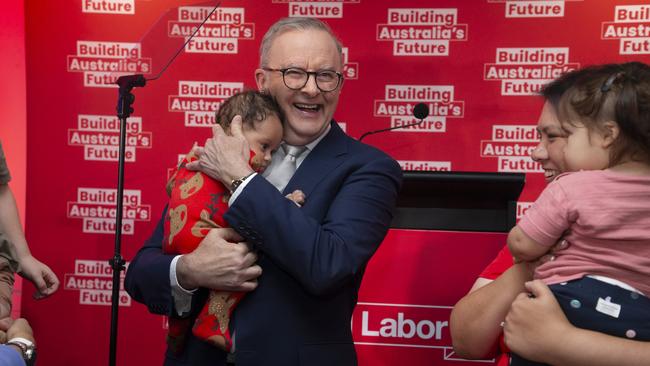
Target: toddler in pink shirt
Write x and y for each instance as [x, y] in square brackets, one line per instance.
[602, 208]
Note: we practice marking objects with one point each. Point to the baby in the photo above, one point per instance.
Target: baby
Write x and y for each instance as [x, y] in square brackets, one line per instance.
[198, 203]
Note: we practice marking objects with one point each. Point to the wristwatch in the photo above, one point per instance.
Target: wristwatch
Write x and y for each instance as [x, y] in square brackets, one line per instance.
[27, 348]
[237, 182]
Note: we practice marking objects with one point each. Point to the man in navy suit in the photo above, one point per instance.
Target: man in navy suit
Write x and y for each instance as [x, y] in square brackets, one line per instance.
[310, 260]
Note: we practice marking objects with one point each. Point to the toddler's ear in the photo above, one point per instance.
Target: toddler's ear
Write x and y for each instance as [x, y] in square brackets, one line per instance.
[611, 131]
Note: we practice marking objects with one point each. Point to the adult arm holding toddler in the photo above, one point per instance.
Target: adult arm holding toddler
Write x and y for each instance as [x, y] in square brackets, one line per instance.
[605, 116]
[475, 322]
[536, 328]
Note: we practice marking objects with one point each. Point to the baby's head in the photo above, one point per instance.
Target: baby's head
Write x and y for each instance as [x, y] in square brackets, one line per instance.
[606, 114]
[261, 123]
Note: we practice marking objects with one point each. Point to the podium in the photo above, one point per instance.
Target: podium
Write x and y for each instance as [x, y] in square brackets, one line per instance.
[447, 227]
[458, 201]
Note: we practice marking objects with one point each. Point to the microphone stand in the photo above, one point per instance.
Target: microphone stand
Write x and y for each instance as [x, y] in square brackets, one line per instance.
[124, 110]
[390, 128]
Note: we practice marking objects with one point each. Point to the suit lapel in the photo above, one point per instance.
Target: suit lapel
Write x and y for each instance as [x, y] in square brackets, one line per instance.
[327, 155]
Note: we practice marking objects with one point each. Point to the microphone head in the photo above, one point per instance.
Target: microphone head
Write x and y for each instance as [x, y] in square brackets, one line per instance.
[420, 111]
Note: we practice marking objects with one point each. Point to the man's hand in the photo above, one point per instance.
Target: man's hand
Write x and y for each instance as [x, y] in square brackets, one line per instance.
[535, 323]
[224, 157]
[40, 275]
[220, 262]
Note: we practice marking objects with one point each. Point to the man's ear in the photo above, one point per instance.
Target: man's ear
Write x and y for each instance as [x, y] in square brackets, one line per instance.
[611, 131]
[260, 79]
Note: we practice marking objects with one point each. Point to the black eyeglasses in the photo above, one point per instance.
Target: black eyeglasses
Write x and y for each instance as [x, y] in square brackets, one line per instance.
[296, 79]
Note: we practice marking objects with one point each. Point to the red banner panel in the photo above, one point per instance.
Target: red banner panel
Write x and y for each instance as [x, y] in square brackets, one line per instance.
[477, 65]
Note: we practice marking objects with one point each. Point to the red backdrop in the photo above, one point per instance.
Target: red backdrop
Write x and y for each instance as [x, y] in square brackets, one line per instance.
[476, 63]
[13, 128]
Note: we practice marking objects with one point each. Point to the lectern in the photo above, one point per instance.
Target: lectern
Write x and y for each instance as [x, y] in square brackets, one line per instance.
[447, 227]
[458, 201]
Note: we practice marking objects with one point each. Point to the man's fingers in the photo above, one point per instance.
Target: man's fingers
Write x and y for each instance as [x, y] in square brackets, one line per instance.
[249, 259]
[195, 165]
[248, 286]
[197, 150]
[248, 277]
[209, 148]
[251, 272]
[236, 126]
[217, 130]
[227, 234]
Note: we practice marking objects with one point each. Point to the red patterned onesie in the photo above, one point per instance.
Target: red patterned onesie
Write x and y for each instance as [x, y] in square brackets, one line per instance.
[197, 204]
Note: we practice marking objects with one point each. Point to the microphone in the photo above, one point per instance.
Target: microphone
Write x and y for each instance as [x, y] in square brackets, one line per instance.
[420, 111]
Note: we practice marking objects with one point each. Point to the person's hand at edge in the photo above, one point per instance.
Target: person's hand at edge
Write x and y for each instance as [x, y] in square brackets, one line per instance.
[40, 275]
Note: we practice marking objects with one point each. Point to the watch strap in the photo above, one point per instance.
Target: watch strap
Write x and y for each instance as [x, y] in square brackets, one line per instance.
[22, 340]
[237, 182]
[26, 346]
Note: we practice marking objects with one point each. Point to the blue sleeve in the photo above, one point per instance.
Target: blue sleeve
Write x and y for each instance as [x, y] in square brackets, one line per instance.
[10, 356]
[147, 277]
[327, 246]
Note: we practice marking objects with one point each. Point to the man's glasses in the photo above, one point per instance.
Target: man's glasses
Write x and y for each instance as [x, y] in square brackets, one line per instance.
[296, 79]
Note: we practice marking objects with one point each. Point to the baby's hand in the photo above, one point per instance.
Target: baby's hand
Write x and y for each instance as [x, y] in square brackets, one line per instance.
[297, 197]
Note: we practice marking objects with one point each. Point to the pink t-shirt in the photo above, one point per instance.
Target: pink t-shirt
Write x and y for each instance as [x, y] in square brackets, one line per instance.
[608, 217]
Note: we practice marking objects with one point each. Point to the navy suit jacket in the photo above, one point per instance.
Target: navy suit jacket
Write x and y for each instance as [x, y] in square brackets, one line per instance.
[313, 258]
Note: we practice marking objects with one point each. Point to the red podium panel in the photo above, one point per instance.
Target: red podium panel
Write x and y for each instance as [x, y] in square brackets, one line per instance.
[410, 286]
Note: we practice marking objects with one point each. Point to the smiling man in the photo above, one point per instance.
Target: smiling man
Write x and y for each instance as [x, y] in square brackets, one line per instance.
[311, 258]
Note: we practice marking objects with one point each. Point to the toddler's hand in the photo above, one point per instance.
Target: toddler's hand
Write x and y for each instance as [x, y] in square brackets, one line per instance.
[555, 249]
[297, 197]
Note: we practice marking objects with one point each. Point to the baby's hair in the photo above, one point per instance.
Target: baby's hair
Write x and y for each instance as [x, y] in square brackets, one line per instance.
[251, 105]
[612, 92]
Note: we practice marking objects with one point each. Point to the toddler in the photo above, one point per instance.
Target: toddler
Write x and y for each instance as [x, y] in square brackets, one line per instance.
[602, 208]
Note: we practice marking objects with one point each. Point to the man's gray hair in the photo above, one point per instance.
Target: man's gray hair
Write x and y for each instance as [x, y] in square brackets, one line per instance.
[290, 24]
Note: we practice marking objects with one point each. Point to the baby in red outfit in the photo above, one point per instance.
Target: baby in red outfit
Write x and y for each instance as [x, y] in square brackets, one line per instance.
[197, 204]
